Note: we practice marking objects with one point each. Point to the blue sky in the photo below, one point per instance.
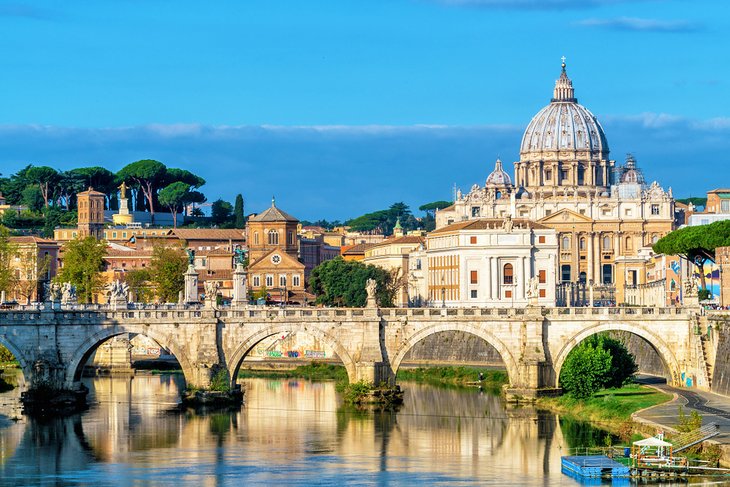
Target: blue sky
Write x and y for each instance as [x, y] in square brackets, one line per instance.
[342, 107]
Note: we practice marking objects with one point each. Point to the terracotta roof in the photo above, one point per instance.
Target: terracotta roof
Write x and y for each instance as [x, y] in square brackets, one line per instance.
[356, 249]
[137, 254]
[91, 191]
[31, 239]
[489, 224]
[406, 239]
[273, 214]
[209, 233]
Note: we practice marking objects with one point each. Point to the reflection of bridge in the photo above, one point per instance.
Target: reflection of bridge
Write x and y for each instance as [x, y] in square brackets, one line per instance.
[53, 346]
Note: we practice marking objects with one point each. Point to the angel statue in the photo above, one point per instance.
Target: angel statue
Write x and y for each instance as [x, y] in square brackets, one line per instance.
[371, 286]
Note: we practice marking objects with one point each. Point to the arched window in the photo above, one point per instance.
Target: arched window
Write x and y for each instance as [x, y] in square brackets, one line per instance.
[273, 237]
[566, 243]
[654, 238]
[507, 274]
[256, 238]
[498, 195]
[606, 243]
[582, 243]
[628, 243]
[291, 238]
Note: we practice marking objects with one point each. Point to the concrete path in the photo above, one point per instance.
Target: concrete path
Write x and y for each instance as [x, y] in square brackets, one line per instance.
[714, 408]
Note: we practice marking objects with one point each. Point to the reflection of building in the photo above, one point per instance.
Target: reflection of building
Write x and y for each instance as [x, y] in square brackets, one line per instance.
[564, 180]
[273, 252]
[489, 262]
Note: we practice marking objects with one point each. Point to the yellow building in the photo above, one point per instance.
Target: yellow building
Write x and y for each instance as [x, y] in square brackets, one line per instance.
[35, 263]
[392, 254]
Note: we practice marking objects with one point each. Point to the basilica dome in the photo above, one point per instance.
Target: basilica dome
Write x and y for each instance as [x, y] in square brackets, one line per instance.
[499, 176]
[564, 125]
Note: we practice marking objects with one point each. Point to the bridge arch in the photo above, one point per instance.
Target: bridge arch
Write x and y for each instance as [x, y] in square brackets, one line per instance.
[25, 367]
[83, 352]
[241, 351]
[481, 331]
[665, 353]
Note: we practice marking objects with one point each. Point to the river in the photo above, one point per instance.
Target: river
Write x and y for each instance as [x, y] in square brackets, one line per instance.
[289, 432]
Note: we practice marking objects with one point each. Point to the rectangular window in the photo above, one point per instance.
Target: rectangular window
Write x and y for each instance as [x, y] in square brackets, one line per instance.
[565, 273]
[295, 280]
[256, 281]
[269, 280]
[541, 239]
[473, 277]
[627, 212]
[542, 278]
[548, 175]
[548, 212]
[508, 293]
[472, 240]
[654, 210]
[473, 294]
[475, 211]
[607, 274]
[542, 293]
[282, 281]
[725, 206]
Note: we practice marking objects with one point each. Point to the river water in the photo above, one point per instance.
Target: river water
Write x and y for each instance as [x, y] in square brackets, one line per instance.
[289, 432]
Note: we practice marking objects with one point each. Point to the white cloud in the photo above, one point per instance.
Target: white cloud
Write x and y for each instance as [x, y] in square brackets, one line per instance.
[643, 25]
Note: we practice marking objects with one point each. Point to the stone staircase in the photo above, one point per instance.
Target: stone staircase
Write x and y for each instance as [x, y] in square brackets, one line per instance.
[687, 440]
[706, 353]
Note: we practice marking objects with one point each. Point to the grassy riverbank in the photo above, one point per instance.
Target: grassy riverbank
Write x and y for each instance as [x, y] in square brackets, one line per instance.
[611, 408]
[313, 371]
[456, 376]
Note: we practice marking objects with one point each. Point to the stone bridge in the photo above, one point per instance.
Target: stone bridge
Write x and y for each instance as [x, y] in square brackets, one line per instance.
[52, 346]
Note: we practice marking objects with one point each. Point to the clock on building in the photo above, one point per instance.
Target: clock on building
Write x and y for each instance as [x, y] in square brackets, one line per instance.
[275, 259]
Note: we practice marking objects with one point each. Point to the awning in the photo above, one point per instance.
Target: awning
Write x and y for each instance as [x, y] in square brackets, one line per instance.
[653, 441]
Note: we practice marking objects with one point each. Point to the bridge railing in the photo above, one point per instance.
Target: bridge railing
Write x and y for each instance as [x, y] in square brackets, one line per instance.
[167, 311]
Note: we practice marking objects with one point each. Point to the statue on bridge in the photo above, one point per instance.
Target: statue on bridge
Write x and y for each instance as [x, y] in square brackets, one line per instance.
[191, 256]
[117, 293]
[52, 291]
[211, 292]
[371, 287]
[531, 291]
[68, 293]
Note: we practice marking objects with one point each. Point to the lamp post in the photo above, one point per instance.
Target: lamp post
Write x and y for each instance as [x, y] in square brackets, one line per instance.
[443, 292]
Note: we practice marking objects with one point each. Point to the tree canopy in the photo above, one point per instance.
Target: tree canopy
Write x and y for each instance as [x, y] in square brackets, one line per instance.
[239, 221]
[597, 362]
[175, 196]
[338, 282]
[696, 244]
[167, 272]
[83, 261]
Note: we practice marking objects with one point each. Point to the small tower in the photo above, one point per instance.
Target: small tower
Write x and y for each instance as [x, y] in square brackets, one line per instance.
[397, 229]
[272, 229]
[91, 213]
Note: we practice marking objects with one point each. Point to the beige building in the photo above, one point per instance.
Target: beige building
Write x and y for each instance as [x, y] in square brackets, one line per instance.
[274, 266]
[35, 263]
[486, 263]
[392, 254]
[564, 180]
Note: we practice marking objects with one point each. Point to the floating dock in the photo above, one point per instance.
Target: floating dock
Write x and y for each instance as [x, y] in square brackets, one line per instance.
[595, 466]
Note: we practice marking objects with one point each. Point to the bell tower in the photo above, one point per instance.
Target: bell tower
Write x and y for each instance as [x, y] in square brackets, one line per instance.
[91, 214]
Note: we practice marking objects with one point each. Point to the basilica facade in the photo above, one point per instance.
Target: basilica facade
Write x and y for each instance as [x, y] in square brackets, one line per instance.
[605, 215]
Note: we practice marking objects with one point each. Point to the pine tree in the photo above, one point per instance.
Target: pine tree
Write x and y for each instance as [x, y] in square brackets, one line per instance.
[239, 219]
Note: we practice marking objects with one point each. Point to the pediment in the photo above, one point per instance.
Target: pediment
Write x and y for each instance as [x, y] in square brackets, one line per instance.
[286, 262]
[565, 216]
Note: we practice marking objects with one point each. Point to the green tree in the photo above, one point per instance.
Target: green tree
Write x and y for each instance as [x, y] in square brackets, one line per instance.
[46, 178]
[99, 178]
[338, 282]
[139, 284]
[32, 197]
[239, 220]
[221, 213]
[7, 253]
[167, 272]
[597, 362]
[83, 261]
[174, 175]
[146, 175]
[175, 197]
[696, 244]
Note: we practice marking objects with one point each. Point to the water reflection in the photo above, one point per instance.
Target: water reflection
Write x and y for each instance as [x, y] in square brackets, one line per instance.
[289, 432]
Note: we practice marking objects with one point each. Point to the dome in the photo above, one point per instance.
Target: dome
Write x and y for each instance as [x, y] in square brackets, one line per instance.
[564, 125]
[498, 177]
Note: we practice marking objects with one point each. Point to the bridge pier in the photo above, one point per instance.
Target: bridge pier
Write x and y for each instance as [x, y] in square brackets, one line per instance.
[47, 392]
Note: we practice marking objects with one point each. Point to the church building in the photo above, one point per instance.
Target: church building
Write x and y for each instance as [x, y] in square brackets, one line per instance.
[602, 212]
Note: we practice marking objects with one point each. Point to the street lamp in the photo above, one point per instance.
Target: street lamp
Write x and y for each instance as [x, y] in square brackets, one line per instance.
[443, 292]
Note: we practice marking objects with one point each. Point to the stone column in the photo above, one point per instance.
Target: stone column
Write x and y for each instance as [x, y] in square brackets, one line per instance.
[488, 278]
[240, 291]
[590, 274]
[191, 285]
[495, 278]
[518, 285]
